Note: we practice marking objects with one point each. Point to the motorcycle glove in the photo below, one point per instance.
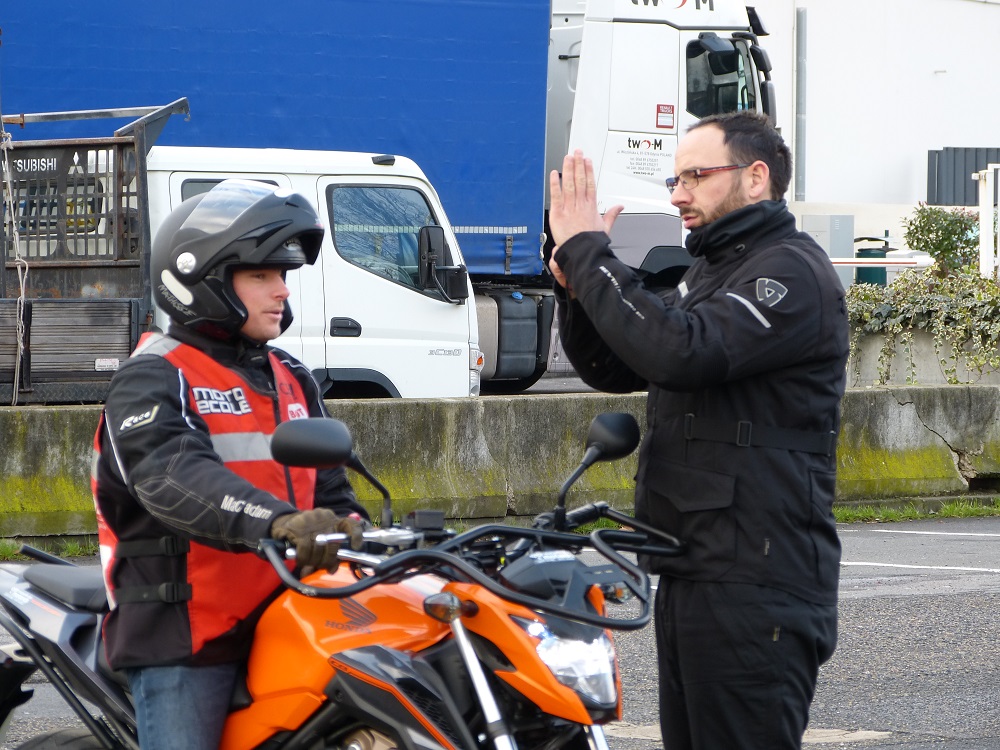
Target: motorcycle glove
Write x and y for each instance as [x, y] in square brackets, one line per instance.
[301, 528]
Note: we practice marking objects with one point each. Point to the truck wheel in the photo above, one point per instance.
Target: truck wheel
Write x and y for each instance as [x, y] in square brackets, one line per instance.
[78, 738]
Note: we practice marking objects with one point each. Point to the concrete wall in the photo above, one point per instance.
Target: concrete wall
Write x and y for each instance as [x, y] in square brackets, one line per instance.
[504, 457]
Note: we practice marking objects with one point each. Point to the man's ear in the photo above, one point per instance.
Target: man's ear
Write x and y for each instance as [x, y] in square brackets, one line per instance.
[759, 177]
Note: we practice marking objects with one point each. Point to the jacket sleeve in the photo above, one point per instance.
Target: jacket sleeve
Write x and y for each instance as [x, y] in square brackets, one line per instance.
[594, 361]
[767, 315]
[163, 453]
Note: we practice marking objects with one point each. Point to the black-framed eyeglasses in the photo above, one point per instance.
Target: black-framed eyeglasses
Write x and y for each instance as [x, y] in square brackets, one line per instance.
[688, 179]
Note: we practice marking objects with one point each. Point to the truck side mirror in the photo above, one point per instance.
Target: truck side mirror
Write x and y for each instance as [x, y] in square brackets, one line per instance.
[433, 271]
[431, 249]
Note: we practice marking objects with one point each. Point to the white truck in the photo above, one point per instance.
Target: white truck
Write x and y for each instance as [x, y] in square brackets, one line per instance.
[384, 312]
[647, 70]
[486, 97]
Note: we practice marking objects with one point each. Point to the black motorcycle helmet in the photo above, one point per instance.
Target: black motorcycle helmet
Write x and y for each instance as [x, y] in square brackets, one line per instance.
[236, 224]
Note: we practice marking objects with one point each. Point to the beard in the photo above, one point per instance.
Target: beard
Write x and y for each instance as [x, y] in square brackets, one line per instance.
[733, 200]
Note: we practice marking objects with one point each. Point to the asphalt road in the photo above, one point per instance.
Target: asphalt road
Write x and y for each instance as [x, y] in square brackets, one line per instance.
[560, 383]
[918, 660]
[916, 666]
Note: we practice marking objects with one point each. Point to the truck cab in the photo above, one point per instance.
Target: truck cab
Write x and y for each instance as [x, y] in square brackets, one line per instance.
[648, 70]
[372, 319]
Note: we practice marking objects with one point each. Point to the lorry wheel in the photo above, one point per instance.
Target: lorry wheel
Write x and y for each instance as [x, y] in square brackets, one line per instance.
[78, 738]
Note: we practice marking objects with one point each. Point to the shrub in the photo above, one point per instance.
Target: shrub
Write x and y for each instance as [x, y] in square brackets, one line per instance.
[949, 235]
[961, 311]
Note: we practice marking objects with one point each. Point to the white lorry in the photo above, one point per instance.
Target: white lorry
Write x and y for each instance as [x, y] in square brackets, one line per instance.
[384, 312]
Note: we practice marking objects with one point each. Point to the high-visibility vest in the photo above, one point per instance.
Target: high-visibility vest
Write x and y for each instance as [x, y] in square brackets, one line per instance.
[221, 588]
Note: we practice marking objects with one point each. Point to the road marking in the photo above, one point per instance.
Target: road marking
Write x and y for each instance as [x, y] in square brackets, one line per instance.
[824, 736]
[623, 730]
[633, 731]
[932, 533]
[917, 567]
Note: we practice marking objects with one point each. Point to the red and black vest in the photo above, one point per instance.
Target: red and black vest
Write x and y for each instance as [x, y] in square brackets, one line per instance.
[221, 588]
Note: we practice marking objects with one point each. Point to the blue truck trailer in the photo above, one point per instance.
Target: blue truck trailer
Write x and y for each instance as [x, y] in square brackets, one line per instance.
[484, 95]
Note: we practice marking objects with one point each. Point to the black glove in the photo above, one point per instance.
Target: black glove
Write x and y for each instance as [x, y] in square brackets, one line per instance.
[300, 529]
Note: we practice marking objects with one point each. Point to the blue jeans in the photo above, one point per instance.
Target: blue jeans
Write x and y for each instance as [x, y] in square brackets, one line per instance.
[181, 707]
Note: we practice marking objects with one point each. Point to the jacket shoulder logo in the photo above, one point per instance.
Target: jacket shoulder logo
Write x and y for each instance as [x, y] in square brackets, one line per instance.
[770, 292]
[138, 420]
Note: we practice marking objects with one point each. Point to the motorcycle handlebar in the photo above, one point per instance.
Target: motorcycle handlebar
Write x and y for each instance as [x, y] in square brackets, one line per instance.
[451, 559]
[584, 514]
[389, 537]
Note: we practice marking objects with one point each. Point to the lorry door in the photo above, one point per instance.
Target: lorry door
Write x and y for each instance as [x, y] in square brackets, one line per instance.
[381, 329]
[625, 117]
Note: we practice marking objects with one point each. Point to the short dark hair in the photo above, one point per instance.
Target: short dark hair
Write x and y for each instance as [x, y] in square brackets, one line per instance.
[750, 137]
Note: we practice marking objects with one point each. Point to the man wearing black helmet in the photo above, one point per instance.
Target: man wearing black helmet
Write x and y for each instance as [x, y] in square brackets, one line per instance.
[183, 477]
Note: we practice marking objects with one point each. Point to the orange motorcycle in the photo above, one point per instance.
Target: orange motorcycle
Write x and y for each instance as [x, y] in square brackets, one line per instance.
[497, 637]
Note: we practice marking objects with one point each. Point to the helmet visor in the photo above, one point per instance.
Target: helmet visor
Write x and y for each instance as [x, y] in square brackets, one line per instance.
[225, 203]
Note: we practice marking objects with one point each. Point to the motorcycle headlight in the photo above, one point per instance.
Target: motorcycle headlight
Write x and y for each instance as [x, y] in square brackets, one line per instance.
[588, 667]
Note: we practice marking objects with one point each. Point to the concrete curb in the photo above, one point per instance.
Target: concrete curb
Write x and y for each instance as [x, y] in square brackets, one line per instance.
[506, 457]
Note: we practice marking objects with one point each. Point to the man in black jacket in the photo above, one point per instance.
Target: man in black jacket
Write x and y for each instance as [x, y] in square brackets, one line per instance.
[745, 366]
[184, 482]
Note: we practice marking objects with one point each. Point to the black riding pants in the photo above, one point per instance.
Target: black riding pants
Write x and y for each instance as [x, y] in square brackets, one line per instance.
[738, 664]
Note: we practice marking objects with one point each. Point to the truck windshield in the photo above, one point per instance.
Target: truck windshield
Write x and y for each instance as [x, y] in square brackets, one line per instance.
[720, 82]
[376, 227]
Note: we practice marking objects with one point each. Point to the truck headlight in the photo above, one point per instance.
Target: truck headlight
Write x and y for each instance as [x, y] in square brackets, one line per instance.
[588, 667]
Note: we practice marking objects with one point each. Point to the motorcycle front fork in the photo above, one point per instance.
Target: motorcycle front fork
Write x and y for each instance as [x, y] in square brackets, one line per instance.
[496, 727]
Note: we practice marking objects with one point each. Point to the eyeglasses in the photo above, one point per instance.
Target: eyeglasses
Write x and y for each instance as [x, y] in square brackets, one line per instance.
[688, 179]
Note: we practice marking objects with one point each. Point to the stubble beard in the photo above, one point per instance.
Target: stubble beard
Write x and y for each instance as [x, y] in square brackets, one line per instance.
[734, 200]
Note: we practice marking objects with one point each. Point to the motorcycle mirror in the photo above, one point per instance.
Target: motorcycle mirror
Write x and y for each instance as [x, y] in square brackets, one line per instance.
[612, 435]
[316, 442]
[322, 443]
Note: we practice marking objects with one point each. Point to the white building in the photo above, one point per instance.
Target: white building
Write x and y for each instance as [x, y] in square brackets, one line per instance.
[876, 85]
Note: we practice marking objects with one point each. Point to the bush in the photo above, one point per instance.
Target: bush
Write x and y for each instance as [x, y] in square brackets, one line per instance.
[949, 235]
[961, 311]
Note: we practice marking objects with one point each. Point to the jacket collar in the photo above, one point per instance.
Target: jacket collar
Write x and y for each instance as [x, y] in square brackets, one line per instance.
[238, 352]
[740, 231]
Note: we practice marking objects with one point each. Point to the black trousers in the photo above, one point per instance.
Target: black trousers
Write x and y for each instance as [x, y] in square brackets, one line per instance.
[738, 664]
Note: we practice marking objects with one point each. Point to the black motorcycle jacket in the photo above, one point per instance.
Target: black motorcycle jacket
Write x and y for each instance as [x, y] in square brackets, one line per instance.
[745, 365]
[173, 508]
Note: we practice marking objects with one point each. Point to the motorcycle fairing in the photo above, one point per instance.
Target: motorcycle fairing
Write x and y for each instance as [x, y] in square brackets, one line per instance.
[69, 638]
[527, 674]
[402, 694]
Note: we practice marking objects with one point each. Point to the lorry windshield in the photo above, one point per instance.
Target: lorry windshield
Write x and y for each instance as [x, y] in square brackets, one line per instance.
[376, 227]
[720, 82]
